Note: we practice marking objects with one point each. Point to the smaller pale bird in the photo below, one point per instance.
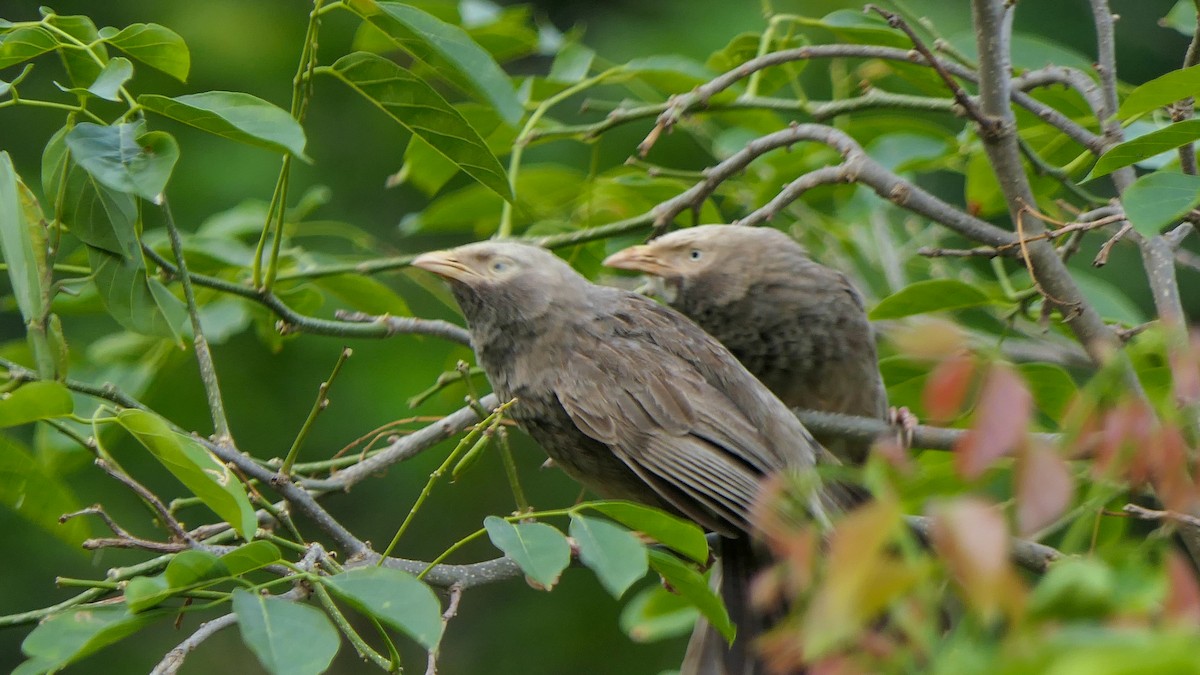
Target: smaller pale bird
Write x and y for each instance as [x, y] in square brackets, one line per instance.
[798, 326]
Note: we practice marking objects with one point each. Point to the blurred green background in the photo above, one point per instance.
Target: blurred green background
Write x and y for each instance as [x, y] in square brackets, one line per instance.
[253, 47]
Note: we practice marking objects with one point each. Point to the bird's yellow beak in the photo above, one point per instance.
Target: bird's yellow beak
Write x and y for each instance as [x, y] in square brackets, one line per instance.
[445, 264]
[640, 258]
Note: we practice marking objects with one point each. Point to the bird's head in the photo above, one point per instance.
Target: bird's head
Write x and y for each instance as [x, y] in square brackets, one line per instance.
[503, 279]
[709, 258]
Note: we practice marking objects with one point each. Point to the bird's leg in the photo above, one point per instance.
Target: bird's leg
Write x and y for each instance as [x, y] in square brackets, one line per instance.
[905, 423]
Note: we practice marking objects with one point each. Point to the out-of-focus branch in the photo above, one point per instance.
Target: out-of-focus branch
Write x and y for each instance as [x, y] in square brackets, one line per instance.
[681, 104]
[1031, 555]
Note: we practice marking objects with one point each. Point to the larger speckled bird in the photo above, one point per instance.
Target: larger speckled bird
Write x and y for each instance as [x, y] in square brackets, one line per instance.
[797, 325]
[631, 399]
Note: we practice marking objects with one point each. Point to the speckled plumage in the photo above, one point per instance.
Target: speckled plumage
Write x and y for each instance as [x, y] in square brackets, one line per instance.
[798, 326]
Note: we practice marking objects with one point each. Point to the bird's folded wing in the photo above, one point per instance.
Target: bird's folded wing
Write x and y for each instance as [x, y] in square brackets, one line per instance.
[679, 433]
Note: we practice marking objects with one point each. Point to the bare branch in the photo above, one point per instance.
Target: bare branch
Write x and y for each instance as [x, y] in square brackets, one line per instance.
[404, 447]
[681, 104]
[208, 370]
[1031, 555]
[173, 660]
[403, 325]
[164, 514]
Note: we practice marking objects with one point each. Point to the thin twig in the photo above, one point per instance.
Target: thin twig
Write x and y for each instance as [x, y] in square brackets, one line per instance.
[451, 611]
[208, 371]
[164, 514]
[173, 660]
[319, 405]
[986, 125]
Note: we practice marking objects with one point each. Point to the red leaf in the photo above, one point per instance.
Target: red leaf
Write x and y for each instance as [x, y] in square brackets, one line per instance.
[1185, 372]
[1001, 421]
[1183, 598]
[1044, 486]
[1167, 457]
[946, 388]
[971, 536]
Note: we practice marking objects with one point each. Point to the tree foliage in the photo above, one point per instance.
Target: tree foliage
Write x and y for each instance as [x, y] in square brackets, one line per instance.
[1043, 518]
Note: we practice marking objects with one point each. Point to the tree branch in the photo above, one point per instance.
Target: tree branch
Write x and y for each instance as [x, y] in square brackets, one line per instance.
[208, 370]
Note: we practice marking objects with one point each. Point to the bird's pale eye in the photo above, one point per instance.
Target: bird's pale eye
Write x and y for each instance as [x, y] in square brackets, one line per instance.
[696, 254]
[500, 266]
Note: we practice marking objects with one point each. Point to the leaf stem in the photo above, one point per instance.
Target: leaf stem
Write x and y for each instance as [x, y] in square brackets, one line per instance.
[523, 139]
[320, 404]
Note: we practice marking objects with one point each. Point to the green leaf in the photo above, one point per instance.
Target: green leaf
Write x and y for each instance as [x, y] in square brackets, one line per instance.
[22, 242]
[190, 567]
[541, 551]
[1075, 588]
[1161, 91]
[396, 598]
[929, 296]
[97, 215]
[415, 105]
[364, 294]
[154, 45]
[142, 593]
[1146, 146]
[613, 553]
[100, 216]
[37, 495]
[571, 64]
[35, 401]
[428, 170]
[25, 43]
[234, 115]
[110, 80]
[137, 302]
[655, 613]
[288, 638]
[452, 52]
[1159, 199]
[252, 556]
[67, 637]
[124, 157]
[1108, 299]
[670, 531]
[1051, 385]
[692, 586]
[195, 467]
[81, 66]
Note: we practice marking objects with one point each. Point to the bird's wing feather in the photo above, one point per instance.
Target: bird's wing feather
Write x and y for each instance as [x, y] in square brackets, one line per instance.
[629, 387]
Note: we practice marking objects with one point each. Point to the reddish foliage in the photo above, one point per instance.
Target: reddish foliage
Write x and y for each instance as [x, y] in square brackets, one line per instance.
[1185, 372]
[971, 536]
[1183, 596]
[1167, 464]
[1044, 486]
[946, 388]
[1001, 422]
[782, 651]
[896, 454]
[1123, 432]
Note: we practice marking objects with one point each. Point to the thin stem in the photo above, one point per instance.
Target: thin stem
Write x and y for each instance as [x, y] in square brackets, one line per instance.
[319, 405]
[360, 645]
[480, 434]
[208, 371]
[518, 150]
[510, 470]
[301, 94]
